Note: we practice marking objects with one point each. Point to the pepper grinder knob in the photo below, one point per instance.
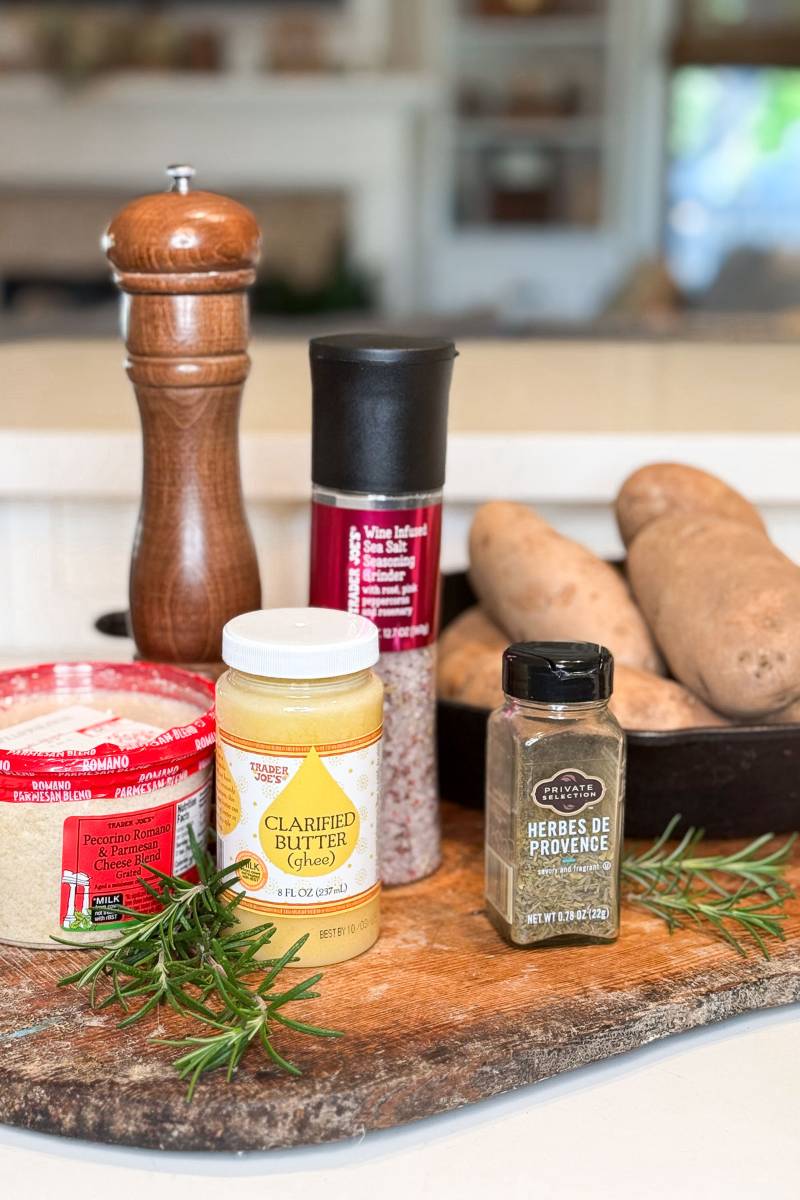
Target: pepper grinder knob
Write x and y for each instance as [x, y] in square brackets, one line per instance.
[181, 175]
[183, 260]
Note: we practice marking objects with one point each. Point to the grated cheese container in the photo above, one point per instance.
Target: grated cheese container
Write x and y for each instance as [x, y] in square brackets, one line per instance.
[105, 768]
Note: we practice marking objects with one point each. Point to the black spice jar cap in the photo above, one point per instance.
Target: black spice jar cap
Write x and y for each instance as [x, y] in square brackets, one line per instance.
[558, 672]
[380, 412]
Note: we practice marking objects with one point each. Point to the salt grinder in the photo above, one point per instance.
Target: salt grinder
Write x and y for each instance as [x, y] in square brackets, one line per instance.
[184, 260]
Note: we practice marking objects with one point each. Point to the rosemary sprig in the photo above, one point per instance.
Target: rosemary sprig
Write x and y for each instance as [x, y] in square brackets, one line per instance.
[740, 897]
[191, 955]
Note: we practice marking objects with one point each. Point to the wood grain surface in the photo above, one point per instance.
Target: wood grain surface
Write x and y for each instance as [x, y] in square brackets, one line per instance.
[441, 1013]
[184, 260]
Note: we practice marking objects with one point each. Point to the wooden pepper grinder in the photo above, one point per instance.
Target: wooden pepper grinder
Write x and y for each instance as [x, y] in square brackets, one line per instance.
[184, 260]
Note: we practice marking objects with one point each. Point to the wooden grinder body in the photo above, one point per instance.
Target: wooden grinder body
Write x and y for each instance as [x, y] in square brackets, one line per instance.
[184, 260]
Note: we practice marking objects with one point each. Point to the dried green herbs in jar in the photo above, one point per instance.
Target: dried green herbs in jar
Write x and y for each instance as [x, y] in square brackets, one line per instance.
[555, 783]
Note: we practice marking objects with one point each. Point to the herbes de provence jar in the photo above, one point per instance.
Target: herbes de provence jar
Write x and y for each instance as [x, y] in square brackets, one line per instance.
[555, 783]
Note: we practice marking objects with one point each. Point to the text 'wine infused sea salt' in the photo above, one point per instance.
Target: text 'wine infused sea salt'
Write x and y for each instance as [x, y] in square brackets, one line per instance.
[555, 783]
[378, 465]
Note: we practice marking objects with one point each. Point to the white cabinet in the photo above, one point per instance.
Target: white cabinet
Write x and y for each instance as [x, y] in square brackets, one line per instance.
[544, 169]
[356, 134]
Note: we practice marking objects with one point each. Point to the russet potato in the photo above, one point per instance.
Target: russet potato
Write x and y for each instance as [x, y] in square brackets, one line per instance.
[664, 489]
[470, 670]
[469, 661]
[724, 605]
[538, 585]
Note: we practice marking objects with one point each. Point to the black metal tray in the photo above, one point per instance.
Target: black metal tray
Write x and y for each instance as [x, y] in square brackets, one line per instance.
[733, 781]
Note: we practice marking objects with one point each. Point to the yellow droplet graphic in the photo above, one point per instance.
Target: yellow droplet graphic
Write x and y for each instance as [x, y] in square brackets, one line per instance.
[312, 827]
[229, 802]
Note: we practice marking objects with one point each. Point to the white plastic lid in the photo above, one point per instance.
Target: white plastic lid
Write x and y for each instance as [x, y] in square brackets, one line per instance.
[300, 643]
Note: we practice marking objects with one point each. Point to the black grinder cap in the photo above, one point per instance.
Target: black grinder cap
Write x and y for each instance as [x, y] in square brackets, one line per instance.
[379, 420]
[558, 672]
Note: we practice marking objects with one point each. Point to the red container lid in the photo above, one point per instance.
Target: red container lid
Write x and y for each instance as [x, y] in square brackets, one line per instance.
[104, 770]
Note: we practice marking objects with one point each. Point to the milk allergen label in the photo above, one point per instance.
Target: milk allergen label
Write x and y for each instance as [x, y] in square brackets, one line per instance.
[302, 821]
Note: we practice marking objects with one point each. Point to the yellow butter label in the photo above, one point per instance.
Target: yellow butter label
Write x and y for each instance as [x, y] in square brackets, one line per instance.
[306, 816]
[313, 826]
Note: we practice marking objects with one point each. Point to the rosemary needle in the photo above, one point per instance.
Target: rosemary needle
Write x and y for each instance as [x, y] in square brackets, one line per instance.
[191, 955]
[736, 896]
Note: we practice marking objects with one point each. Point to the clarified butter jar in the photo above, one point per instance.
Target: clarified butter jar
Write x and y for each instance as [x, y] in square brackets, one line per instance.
[300, 718]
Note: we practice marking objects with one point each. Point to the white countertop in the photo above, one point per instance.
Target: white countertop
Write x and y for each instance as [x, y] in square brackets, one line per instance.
[710, 1114]
[538, 421]
[555, 424]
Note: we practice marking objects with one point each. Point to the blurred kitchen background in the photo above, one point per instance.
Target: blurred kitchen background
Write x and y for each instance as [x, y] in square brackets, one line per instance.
[599, 199]
[604, 167]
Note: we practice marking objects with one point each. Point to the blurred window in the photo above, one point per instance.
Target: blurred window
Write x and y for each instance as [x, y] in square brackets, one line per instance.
[733, 176]
[734, 166]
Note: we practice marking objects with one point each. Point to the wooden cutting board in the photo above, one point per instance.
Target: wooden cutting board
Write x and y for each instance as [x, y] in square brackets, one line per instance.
[440, 1014]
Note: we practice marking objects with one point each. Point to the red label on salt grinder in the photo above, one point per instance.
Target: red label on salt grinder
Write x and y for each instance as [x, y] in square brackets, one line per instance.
[382, 564]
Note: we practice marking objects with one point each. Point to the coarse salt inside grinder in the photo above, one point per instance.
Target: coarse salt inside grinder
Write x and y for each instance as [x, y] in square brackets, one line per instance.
[104, 769]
